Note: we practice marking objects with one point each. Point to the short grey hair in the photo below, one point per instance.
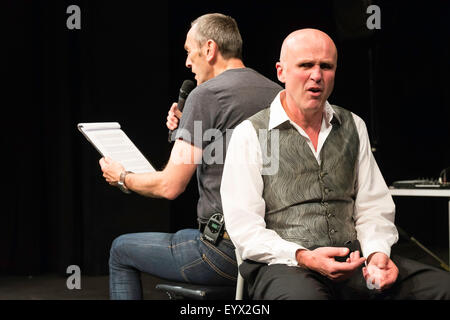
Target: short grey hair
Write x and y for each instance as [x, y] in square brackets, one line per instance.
[223, 30]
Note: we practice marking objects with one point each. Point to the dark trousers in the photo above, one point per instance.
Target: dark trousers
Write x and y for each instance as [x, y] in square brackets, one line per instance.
[281, 282]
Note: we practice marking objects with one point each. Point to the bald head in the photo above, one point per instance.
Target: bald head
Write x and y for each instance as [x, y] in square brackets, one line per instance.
[307, 38]
[307, 67]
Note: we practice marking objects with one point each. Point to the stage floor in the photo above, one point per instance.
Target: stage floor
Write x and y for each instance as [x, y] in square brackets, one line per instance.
[53, 286]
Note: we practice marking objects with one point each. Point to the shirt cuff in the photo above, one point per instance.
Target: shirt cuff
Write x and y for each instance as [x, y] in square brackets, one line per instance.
[375, 246]
[287, 254]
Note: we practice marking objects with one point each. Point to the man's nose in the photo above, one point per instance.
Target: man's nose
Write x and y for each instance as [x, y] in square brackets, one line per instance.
[316, 74]
[188, 63]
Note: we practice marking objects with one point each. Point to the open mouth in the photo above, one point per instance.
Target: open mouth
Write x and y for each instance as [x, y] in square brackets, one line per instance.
[315, 92]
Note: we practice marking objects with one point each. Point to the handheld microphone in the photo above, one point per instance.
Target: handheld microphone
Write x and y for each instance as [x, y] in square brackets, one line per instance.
[186, 88]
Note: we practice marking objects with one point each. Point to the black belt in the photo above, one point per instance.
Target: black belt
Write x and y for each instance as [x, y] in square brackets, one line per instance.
[224, 233]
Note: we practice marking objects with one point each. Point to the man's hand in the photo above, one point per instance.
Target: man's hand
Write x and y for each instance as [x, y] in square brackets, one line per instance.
[173, 117]
[111, 170]
[322, 260]
[381, 272]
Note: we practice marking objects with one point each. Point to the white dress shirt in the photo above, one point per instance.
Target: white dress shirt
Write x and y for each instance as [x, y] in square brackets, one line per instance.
[244, 207]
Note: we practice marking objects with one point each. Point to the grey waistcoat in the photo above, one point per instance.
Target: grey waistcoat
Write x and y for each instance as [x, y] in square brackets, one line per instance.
[309, 204]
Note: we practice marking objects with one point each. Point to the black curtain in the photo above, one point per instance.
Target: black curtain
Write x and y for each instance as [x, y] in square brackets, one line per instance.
[58, 209]
[126, 64]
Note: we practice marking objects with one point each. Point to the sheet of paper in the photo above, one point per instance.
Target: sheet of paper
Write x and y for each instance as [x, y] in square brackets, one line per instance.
[110, 140]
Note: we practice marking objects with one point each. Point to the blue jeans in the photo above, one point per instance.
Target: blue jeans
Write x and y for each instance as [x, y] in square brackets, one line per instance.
[182, 256]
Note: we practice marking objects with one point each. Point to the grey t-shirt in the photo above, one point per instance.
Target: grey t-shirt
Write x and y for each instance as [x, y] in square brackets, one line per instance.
[216, 105]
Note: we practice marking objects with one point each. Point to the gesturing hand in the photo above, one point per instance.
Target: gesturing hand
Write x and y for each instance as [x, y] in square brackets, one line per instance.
[322, 260]
[381, 272]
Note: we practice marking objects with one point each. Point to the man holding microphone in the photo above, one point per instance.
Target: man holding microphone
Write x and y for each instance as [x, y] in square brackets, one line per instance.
[227, 93]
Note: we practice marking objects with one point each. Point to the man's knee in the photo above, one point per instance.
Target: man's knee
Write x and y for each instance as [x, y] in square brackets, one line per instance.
[421, 281]
[436, 285]
[117, 249]
[291, 283]
[298, 293]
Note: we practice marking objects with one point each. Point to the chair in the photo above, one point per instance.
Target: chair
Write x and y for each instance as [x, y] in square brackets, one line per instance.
[240, 280]
[182, 291]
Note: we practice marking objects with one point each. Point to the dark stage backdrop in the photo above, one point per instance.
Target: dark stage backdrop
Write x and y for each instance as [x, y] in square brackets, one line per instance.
[126, 64]
[59, 210]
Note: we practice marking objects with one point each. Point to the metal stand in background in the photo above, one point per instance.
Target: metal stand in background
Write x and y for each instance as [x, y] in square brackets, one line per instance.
[373, 117]
[403, 234]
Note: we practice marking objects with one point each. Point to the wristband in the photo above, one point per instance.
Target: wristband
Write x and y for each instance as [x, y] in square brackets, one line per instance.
[121, 182]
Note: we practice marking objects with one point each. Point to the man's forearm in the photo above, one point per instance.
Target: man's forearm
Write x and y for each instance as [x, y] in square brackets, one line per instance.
[172, 181]
[152, 184]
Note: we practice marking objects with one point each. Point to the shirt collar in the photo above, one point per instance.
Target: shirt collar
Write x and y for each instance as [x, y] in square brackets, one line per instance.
[278, 116]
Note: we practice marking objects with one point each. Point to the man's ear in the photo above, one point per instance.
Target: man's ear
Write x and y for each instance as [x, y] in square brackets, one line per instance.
[280, 72]
[211, 50]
